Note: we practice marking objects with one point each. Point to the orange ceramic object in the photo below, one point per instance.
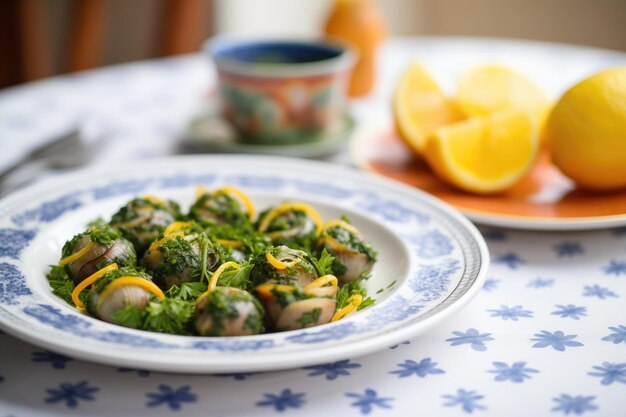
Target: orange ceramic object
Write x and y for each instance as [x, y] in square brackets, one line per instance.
[543, 197]
[360, 24]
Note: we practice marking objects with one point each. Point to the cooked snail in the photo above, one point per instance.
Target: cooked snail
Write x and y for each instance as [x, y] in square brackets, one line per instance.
[142, 220]
[354, 256]
[117, 289]
[220, 207]
[283, 265]
[94, 249]
[227, 311]
[176, 258]
[290, 308]
[291, 224]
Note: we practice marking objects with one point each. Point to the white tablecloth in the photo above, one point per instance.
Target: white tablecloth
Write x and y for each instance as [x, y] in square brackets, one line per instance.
[546, 335]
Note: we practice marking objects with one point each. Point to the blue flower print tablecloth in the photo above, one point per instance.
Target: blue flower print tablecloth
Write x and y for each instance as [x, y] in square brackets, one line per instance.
[545, 337]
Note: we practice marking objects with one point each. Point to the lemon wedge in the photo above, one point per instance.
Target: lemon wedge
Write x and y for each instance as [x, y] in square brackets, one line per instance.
[491, 88]
[419, 107]
[484, 154]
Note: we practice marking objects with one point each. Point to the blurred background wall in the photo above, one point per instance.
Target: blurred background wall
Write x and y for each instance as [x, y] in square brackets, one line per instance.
[39, 38]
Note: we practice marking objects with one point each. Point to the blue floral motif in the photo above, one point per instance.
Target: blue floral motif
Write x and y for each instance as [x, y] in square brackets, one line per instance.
[432, 244]
[50, 210]
[422, 368]
[365, 402]
[618, 336]
[540, 283]
[616, 268]
[510, 259]
[337, 332]
[571, 311]
[574, 404]
[120, 188]
[392, 310]
[473, 337]
[71, 394]
[468, 400]
[598, 291]
[512, 313]
[281, 402]
[13, 241]
[333, 370]
[568, 249]
[128, 339]
[557, 340]
[491, 284]
[239, 376]
[184, 180]
[432, 281]
[140, 372]
[173, 398]
[226, 345]
[517, 372]
[393, 211]
[610, 372]
[57, 361]
[12, 284]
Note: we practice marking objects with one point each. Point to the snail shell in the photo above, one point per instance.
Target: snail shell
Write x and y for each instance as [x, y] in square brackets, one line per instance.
[118, 299]
[242, 310]
[190, 272]
[290, 317]
[88, 263]
[356, 263]
[301, 313]
[301, 274]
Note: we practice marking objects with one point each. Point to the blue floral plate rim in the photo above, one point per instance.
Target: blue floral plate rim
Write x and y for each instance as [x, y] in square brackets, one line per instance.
[446, 263]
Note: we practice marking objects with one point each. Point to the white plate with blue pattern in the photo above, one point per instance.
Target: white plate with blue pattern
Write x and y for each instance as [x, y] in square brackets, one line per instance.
[432, 261]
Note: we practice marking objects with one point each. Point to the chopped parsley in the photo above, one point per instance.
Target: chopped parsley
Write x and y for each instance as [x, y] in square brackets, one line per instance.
[348, 290]
[62, 286]
[324, 265]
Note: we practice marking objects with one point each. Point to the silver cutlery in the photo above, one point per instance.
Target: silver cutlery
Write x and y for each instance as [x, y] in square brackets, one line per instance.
[70, 150]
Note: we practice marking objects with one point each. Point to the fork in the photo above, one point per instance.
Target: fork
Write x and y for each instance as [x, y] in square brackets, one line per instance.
[71, 150]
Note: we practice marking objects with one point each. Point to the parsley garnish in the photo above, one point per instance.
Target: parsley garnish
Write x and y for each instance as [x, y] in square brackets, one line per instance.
[324, 265]
[348, 290]
[238, 278]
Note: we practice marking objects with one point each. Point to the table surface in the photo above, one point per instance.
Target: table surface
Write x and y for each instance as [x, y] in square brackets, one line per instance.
[546, 335]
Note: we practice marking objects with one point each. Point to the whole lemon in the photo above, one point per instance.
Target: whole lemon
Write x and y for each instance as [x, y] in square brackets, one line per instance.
[587, 131]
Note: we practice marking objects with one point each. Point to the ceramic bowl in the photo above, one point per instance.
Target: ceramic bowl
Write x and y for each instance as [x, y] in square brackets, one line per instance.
[281, 92]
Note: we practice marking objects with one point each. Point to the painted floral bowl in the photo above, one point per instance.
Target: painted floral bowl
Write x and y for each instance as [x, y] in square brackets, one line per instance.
[281, 92]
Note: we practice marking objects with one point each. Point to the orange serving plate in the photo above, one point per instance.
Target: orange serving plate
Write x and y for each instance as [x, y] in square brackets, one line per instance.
[544, 199]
